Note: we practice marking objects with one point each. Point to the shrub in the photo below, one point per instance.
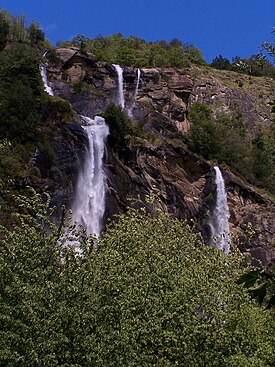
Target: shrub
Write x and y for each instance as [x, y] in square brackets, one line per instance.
[151, 294]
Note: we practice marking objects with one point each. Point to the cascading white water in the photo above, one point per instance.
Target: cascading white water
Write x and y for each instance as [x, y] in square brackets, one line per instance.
[89, 205]
[119, 71]
[43, 73]
[130, 114]
[219, 224]
[137, 85]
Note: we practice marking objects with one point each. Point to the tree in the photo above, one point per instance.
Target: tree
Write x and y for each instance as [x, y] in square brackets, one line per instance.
[221, 63]
[44, 318]
[20, 86]
[4, 31]
[269, 47]
[150, 294]
[263, 155]
[203, 139]
[37, 36]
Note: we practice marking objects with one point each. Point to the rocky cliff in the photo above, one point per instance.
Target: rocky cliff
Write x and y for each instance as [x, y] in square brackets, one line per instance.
[164, 165]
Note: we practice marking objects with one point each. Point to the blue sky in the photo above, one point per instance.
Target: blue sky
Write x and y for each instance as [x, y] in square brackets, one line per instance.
[227, 27]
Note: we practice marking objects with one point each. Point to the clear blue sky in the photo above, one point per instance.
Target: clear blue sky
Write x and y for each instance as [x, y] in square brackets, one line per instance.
[227, 27]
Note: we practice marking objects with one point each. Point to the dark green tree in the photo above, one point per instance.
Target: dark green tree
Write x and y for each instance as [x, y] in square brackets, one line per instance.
[4, 31]
[37, 36]
[202, 134]
[221, 63]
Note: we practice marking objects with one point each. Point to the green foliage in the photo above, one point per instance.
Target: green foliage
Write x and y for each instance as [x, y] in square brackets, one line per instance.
[122, 129]
[150, 295]
[263, 148]
[37, 36]
[261, 285]
[16, 27]
[221, 63]
[56, 109]
[257, 65]
[269, 48]
[4, 31]
[223, 138]
[203, 133]
[52, 56]
[133, 51]
[13, 29]
[20, 85]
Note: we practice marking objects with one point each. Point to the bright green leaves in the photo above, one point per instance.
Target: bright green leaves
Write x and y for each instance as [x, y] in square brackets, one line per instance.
[151, 294]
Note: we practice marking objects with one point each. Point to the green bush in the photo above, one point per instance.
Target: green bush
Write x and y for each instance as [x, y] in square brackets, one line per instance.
[150, 295]
[203, 134]
[20, 88]
[133, 51]
[221, 63]
[4, 31]
[122, 129]
[223, 138]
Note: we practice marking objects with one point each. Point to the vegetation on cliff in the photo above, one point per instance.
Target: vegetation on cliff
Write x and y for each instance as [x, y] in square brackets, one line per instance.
[257, 65]
[150, 294]
[223, 138]
[28, 117]
[136, 52]
[13, 29]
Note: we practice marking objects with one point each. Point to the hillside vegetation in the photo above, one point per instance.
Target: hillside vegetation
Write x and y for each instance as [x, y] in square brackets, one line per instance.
[150, 294]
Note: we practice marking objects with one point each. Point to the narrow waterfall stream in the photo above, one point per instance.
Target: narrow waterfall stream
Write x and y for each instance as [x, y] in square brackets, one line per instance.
[219, 223]
[43, 73]
[119, 71]
[130, 110]
[89, 204]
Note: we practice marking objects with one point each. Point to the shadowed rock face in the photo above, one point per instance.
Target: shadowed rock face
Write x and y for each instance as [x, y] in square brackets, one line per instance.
[184, 183]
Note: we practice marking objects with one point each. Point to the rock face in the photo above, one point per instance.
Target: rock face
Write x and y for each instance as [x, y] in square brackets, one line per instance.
[184, 183]
[227, 91]
[59, 166]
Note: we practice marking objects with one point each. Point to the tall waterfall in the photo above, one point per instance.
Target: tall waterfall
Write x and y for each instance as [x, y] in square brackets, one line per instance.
[135, 94]
[119, 71]
[43, 73]
[89, 205]
[219, 223]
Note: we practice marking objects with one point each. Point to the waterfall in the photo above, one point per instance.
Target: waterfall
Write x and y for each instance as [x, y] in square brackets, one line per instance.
[137, 85]
[219, 224]
[119, 71]
[89, 205]
[43, 73]
[135, 95]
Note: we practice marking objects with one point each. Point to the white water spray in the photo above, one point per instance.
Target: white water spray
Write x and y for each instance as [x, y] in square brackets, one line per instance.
[130, 111]
[219, 223]
[43, 73]
[136, 89]
[119, 71]
[89, 205]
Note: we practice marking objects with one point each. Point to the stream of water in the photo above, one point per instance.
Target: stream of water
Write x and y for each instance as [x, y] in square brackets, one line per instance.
[219, 223]
[89, 205]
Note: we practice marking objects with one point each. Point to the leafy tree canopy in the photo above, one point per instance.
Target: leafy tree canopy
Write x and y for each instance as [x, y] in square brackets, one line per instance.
[133, 51]
[151, 294]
